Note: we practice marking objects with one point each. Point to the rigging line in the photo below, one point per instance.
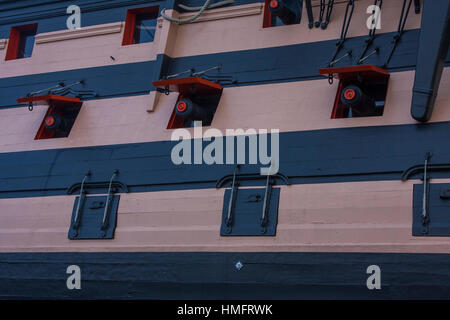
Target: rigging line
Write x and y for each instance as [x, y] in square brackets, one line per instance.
[300, 9]
[404, 16]
[215, 78]
[59, 87]
[196, 74]
[199, 10]
[372, 31]
[321, 12]
[328, 15]
[191, 71]
[346, 24]
[401, 26]
[105, 213]
[310, 14]
[211, 6]
[44, 90]
[194, 17]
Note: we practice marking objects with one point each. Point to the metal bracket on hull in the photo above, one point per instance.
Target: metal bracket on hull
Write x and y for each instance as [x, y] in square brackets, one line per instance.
[76, 223]
[229, 217]
[267, 195]
[250, 176]
[87, 222]
[425, 214]
[116, 186]
[408, 173]
[241, 207]
[57, 94]
[430, 201]
[173, 82]
[434, 197]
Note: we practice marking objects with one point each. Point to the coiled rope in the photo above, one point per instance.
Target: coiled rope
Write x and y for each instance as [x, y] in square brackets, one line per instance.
[200, 10]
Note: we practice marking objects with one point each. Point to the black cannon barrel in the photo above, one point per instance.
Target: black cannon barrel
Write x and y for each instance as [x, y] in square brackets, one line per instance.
[187, 109]
[285, 10]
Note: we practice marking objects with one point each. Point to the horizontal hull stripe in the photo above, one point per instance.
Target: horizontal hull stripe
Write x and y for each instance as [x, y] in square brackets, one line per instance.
[94, 12]
[105, 81]
[240, 107]
[247, 67]
[52, 15]
[359, 217]
[215, 276]
[331, 155]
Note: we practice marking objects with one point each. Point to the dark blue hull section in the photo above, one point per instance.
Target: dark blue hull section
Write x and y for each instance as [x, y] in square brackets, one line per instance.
[215, 276]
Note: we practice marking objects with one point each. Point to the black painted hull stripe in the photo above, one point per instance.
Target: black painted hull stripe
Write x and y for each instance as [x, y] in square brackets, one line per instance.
[319, 156]
[213, 275]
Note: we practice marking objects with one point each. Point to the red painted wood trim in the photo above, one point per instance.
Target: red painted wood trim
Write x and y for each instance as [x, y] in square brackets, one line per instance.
[130, 22]
[12, 52]
[175, 83]
[175, 121]
[359, 68]
[13, 44]
[267, 20]
[49, 98]
[42, 132]
[338, 107]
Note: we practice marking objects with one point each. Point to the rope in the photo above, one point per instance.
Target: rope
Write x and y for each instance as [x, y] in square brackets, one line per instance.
[200, 10]
[194, 17]
[403, 17]
[212, 6]
[300, 9]
[221, 78]
[321, 12]
[346, 24]
[328, 16]
[401, 27]
[371, 36]
[310, 14]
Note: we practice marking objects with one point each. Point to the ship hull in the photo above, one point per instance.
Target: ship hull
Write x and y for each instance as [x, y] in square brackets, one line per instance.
[214, 275]
[345, 221]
